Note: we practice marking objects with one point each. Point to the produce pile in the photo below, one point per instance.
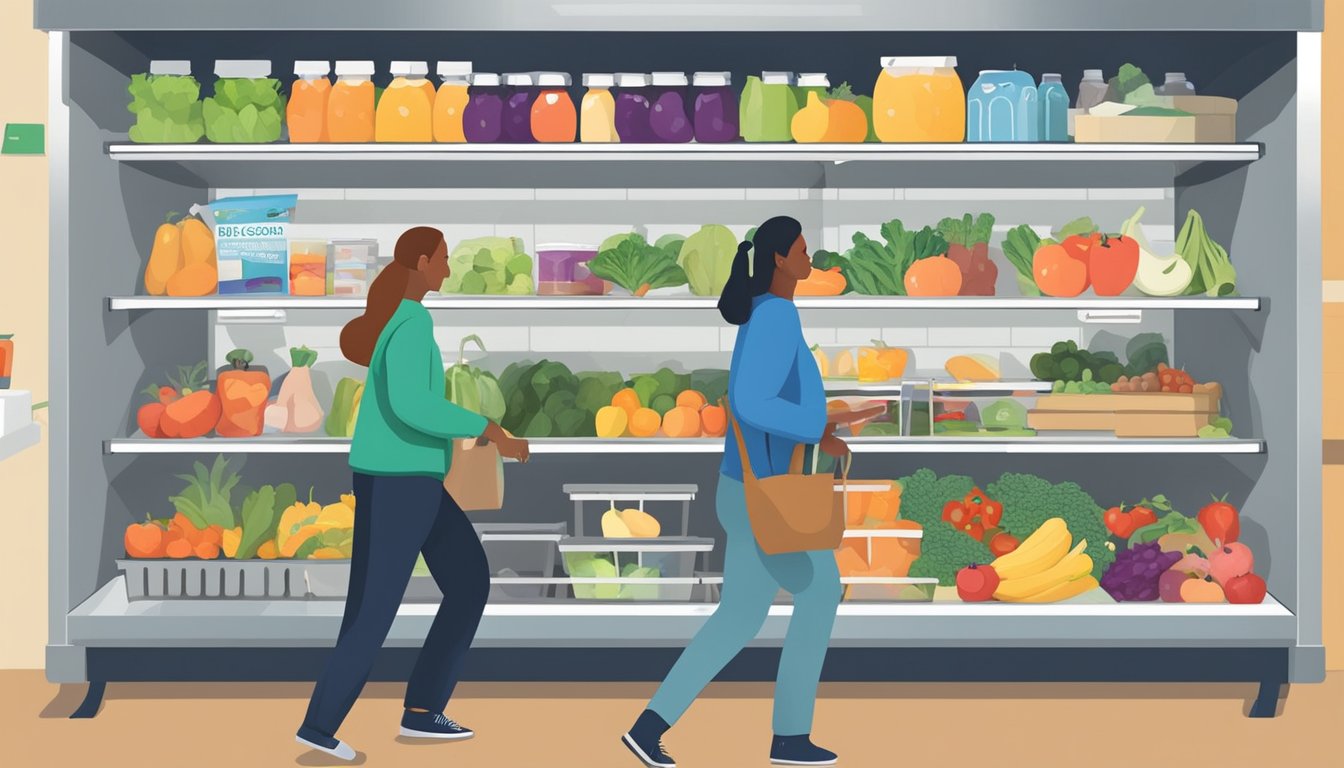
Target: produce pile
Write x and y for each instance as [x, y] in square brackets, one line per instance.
[270, 523]
[489, 265]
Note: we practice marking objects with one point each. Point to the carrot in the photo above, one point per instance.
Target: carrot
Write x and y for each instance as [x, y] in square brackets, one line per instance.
[206, 550]
[643, 289]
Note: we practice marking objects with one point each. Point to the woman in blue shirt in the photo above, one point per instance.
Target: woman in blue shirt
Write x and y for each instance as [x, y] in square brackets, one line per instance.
[776, 394]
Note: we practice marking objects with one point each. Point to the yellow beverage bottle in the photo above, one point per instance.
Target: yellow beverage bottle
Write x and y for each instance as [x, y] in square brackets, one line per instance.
[350, 104]
[597, 120]
[406, 109]
[919, 99]
[306, 112]
[451, 101]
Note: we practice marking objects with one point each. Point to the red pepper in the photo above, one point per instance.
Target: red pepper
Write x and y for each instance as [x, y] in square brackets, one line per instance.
[1123, 523]
[991, 512]
[956, 514]
[975, 531]
[950, 416]
[1114, 263]
[974, 501]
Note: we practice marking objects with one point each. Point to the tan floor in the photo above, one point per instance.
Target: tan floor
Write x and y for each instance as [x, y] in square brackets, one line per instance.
[562, 725]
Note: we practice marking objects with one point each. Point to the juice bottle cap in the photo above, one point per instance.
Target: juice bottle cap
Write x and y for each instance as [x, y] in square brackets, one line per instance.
[631, 80]
[1091, 74]
[814, 80]
[246, 68]
[918, 62]
[1051, 77]
[460, 69]
[354, 68]
[669, 79]
[518, 78]
[312, 68]
[409, 69]
[777, 78]
[598, 80]
[712, 79]
[170, 67]
[553, 79]
[485, 79]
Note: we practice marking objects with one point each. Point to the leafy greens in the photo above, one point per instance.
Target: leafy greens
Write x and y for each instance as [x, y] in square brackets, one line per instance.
[638, 267]
[167, 109]
[244, 111]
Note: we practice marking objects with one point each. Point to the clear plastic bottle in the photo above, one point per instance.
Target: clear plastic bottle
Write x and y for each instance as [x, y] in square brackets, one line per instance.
[350, 105]
[597, 122]
[451, 101]
[1053, 108]
[1176, 85]
[406, 110]
[306, 112]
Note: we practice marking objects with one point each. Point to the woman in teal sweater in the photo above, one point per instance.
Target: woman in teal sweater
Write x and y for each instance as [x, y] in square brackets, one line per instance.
[400, 453]
[775, 393]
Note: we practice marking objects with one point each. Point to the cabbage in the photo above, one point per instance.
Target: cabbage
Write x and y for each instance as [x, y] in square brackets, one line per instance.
[167, 108]
[707, 258]
[489, 265]
[244, 110]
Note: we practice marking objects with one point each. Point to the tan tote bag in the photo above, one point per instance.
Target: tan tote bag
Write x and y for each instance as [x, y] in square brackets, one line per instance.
[793, 512]
[475, 477]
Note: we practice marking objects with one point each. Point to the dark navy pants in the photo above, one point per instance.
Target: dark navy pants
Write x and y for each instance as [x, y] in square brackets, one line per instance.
[395, 519]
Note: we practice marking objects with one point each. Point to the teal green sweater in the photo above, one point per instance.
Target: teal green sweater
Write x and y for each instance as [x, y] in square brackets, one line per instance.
[406, 425]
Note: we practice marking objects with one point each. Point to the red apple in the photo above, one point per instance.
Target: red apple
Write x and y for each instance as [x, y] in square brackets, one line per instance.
[1230, 561]
[976, 583]
[1246, 589]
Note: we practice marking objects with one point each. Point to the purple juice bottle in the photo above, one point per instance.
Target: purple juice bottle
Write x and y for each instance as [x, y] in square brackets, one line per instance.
[669, 119]
[716, 111]
[483, 117]
[522, 92]
[632, 108]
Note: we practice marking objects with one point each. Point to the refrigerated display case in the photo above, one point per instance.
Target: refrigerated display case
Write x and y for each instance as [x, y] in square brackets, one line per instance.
[1260, 196]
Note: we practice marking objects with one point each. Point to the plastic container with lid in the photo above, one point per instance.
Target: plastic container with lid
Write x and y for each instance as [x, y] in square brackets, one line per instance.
[306, 112]
[406, 109]
[632, 108]
[1003, 106]
[768, 105]
[715, 108]
[483, 117]
[1092, 89]
[561, 269]
[1175, 84]
[669, 120]
[597, 123]
[554, 119]
[350, 105]
[246, 107]
[661, 568]
[1054, 109]
[351, 266]
[451, 101]
[812, 82]
[308, 267]
[174, 118]
[919, 99]
[521, 91]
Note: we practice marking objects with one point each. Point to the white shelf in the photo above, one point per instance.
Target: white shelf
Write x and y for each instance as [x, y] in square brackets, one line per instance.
[19, 440]
[666, 446]
[282, 302]
[833, 153]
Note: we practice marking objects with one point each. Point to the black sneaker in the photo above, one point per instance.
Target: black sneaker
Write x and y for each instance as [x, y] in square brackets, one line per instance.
[432, 725]
[325, 744]
[799, 750]
[645, 739]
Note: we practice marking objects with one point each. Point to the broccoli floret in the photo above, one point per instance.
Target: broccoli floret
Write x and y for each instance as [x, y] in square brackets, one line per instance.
[944, 551]
[1028, 501]
[924, 494]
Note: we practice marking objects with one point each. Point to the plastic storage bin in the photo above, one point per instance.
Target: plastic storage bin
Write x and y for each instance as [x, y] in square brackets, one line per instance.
[633, 569]
[259, 579]
[879, 552]
[521, 557]
[561, 269]
[889, 590]
[351, 266]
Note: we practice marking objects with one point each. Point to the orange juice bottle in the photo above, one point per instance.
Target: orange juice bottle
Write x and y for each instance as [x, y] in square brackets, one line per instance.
[350, 105]
[306, 113]
[451, 101]
[406, 109]
[919, 99]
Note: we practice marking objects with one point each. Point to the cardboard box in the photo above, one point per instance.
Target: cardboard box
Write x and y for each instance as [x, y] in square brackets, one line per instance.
[1213, 120]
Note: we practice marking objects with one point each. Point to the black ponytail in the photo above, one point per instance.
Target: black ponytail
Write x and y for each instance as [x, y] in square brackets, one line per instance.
[754, 267]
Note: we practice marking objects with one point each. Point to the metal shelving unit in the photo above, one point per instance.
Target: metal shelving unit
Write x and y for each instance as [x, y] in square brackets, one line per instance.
[1260, 197]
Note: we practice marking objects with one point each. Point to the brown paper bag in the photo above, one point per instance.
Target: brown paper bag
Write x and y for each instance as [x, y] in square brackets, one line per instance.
[475, 478]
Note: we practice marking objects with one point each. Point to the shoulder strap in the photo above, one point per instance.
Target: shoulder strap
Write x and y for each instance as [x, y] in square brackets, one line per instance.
[741, 443]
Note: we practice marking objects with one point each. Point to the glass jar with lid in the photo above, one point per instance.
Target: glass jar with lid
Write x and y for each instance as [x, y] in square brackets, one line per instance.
[919, 99]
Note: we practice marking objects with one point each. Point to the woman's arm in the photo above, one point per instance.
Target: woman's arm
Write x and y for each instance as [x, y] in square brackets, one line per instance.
[770, 350]
[414, 401]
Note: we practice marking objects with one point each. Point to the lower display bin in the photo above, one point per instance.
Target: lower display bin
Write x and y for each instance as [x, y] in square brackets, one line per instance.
[234, 579]
[521, 557]
[627, 590]
[892, 589]
[603, 558]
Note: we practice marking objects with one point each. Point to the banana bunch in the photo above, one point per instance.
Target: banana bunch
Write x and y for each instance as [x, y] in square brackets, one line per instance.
[1043, 569]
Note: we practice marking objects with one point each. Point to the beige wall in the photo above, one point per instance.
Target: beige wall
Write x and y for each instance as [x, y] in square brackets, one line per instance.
[23, 311]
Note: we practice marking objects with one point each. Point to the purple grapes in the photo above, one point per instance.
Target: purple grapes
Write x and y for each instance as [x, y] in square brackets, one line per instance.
[1134, 575]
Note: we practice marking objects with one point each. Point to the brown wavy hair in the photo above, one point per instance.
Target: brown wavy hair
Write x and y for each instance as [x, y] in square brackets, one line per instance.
[359, 336]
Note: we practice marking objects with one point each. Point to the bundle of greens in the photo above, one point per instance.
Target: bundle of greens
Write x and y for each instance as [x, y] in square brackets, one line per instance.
[878, 269]
[1214, 273]
[167, 109]
[244, 110]
[638, 267]
[1019, 247]
[706, 256]
[968, 247]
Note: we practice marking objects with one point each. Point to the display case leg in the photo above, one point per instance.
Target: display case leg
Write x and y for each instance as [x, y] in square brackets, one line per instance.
[93, 701]
[1266, 702]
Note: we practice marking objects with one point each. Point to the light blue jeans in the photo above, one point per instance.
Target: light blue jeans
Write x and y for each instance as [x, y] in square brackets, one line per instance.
[751, 579]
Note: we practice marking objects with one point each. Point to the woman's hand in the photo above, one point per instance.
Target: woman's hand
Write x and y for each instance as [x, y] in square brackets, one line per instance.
[509, 447]
[833, 446]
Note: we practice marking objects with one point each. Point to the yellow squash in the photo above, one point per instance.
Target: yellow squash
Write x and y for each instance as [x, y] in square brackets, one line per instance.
[810, 122]
[165, 259]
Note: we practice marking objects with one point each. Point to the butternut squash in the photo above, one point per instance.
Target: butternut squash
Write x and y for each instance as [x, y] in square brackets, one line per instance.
[165, 258]
[193, 280]
[198, 244]
[809, 123]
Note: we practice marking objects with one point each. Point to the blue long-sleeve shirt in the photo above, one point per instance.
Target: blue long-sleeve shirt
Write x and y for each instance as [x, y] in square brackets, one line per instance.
[775, 390]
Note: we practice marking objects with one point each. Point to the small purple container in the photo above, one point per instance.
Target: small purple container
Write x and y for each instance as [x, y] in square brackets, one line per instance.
[522, 92]
[716, 110]
[562, 270]
[669, 119]
[483, 117]
[632, 109]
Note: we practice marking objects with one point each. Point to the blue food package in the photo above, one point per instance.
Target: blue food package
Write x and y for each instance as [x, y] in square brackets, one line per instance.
[252, 242]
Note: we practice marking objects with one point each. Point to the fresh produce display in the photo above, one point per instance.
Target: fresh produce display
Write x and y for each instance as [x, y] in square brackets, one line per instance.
[1122, 522]
[182, 261]
[975, 514]
[1044, 569]
[1134, 574]
[968, 247]
[630, 524]
[184, 409]
[489, 265]
[706, 257]
[472, 388]
[1061, 269]
[639, 267]
[1028, 501]
[344, 408]
[601, 565]
[944, 550]
[243, 391]
[1067, 362]
[166, 103]
[296, 409]
[882, 268]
